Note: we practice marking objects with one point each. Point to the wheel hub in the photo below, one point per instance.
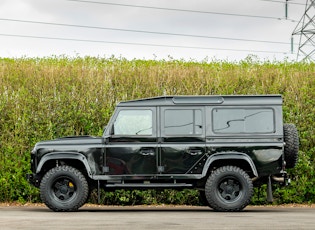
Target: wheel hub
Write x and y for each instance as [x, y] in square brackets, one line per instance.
[229, 189]
[64, 189]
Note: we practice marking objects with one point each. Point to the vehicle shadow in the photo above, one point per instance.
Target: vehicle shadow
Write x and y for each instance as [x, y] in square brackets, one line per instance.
[183, 209]
[201, 209]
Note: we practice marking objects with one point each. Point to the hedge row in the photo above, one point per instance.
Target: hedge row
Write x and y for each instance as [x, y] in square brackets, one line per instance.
[45, 98]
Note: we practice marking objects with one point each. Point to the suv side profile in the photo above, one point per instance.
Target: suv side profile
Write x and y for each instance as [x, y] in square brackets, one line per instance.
[221, 145]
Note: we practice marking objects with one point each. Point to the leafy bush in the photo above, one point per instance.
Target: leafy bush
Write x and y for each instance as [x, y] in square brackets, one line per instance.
[45, 98]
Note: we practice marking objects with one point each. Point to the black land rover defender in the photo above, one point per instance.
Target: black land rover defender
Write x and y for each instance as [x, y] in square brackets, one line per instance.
[220, 145]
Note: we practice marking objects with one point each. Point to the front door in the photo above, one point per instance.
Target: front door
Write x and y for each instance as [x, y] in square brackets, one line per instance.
[132, 146]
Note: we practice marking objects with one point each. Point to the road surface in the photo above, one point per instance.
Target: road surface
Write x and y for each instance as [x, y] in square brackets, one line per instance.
[156, 217]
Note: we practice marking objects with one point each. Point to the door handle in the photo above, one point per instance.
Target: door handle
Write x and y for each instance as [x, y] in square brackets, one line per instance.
[195, 152]
[147, 152]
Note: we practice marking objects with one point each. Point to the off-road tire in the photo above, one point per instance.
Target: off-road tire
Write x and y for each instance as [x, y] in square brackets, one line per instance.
[64, 189]
[228, 189]
[291, 148]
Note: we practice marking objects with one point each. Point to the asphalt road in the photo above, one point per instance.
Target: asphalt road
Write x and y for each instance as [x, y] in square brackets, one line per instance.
[147, 217]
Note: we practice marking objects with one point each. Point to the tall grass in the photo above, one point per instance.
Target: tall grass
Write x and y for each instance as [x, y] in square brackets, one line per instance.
[50, 97]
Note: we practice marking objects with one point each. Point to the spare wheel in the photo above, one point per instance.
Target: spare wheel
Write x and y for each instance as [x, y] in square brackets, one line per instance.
[291, 148]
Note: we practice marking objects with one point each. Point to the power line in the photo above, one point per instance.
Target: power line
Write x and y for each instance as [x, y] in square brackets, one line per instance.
[141, 44]
[179, 10]
[283, 2]
[142, 31]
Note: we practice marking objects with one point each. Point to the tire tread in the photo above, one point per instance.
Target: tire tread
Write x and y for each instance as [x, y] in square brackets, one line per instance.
[67, 169]
[211, 186]
[291, 148]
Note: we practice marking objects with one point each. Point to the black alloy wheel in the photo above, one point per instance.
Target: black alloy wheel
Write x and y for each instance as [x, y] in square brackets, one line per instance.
[228, 188]
[64, 188]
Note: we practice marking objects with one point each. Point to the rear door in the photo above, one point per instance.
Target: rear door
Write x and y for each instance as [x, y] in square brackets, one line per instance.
[182, 140]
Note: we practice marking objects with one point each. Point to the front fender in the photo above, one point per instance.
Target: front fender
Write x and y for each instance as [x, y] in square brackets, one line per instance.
[64, 155]
[229, 156]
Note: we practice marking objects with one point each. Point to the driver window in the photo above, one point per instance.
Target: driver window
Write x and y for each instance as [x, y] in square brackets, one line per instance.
[133, 122]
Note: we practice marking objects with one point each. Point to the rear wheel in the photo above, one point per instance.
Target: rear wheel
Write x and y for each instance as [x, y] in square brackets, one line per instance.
[64, 188]
[228, 188]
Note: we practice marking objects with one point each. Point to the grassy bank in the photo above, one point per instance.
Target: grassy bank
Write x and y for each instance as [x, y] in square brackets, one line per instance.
[58, 96]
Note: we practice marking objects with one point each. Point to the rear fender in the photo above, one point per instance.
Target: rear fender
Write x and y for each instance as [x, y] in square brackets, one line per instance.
[228, 156]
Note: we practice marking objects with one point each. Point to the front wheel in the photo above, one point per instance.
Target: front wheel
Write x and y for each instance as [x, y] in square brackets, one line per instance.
[64, 188]
[228, 188]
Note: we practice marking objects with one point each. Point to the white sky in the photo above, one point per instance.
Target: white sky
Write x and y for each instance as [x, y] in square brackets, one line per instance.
[154, 20]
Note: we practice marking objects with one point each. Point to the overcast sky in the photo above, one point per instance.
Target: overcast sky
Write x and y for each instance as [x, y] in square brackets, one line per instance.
[220, 36]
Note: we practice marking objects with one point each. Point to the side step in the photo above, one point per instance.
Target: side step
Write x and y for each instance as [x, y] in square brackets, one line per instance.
[149, 185]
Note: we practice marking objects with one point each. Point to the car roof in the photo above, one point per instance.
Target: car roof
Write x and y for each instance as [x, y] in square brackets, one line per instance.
[205, 100]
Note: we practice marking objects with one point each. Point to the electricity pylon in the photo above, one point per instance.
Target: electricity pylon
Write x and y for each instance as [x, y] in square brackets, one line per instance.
[306, 30]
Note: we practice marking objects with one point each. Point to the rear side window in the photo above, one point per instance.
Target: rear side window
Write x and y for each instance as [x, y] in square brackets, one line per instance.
[233, 121]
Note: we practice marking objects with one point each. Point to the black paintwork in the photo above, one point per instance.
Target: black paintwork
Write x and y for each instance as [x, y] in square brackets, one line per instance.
[159, 160]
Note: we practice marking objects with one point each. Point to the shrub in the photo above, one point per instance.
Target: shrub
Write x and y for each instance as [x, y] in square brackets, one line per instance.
[45, 98]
